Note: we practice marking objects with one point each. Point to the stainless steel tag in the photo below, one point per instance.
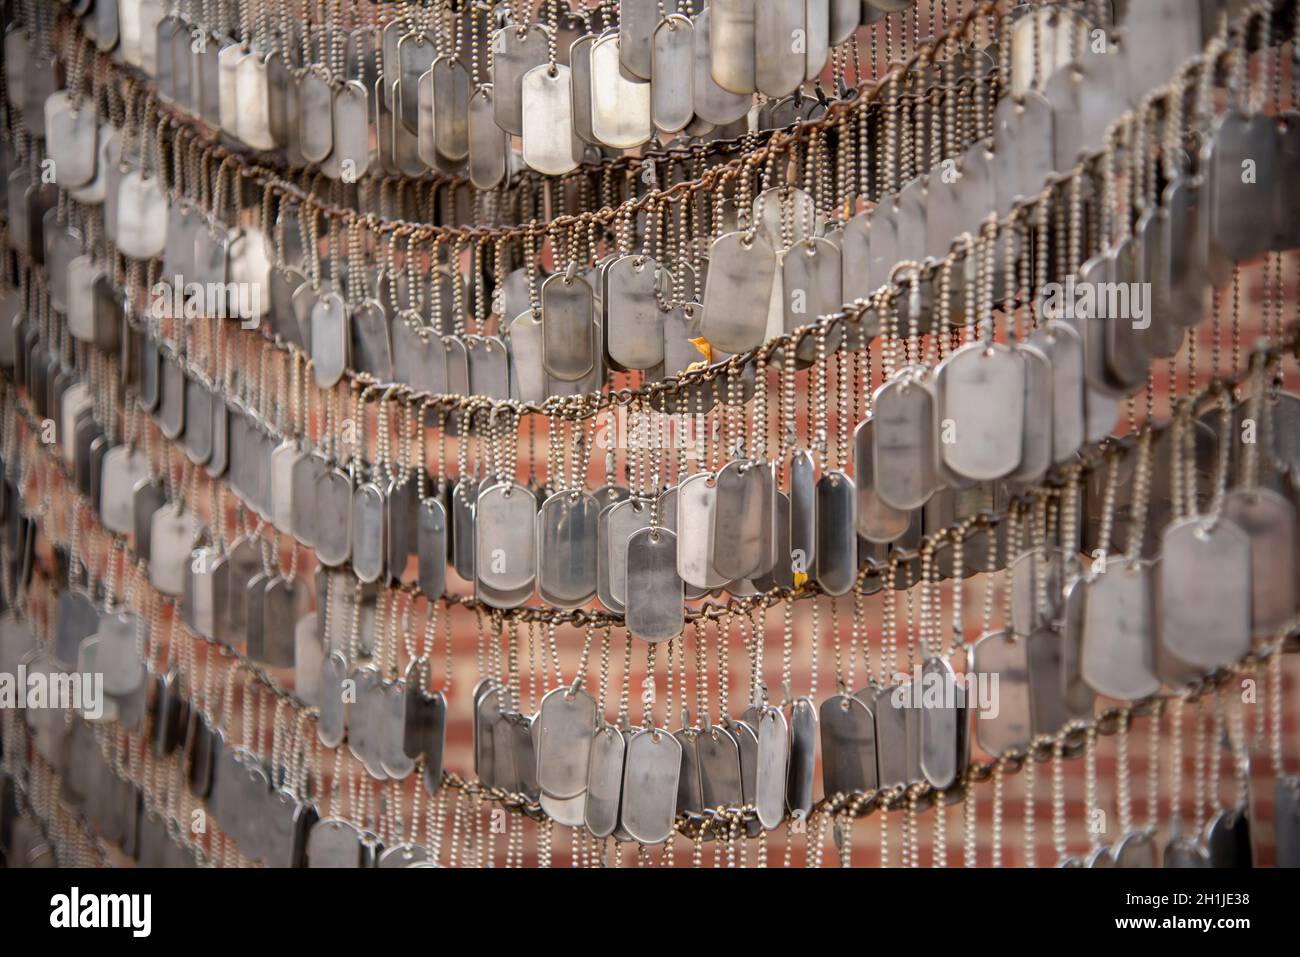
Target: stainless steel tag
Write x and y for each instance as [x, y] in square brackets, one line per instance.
[654, 607]
[620, 105]
[1002, 657]
[1205, 592]
[567, 548]
[650, 777]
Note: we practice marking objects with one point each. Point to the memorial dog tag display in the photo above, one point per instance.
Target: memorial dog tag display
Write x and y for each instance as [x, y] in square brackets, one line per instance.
[827, 434]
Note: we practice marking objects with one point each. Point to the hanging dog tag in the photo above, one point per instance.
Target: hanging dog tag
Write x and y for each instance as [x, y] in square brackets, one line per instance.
[369, 546]
[1001, 656]
[696, 506]
[904, 453]
[943, 708]
[505, 547]
[713, 103]
[316, 116]
[981, 394]
[741, 523]
[567, 557]
[1205, 592]
[1269, 520]
[848, 737]
[370, 349]
[141, 216]
[875, 521]
[431, 547]
[732, 44]
[70, 135]
[171, 539]
[515, 51]
[615, 526]
[837, 546]
[620, 105]
[351, 111]
[332, 530]
[550, 144]
[604, 781]
[633, 325]
[721, 782]
[1241, 174]
[330, 340]
[771, 766]
[738, 291]
[654, 589]
[568, 350]
[451, 95]
[650, 777]
[566, 723]
[336, 844]
[779, 63]
[803, 757]
[673, 57]
[489, 145]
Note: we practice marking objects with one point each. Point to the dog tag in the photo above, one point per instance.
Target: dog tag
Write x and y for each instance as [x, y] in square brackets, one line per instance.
[634, 335]
[654, 607]
[981, 392]
[1205, 592]
[721, 781]
[550, 144]
[742, 520]
[738, 291]
[568, 350]
[712, 103]
[515, 51]
[330, 340]
[620, 105]
[604, 781]
[771, 766]
[672, 62]
[351, 111]
[650, 776]
[696, 506]
[904, 453]
[1242, 172]
[875, 521]
[779, 63]
[505, 542]
[369, 523]
[566, 724]
[1118, 653]
[1269, 521]
[848, 738]
[1003, 658]
[732, 44]
[141, 216]
[567, 556]
[489, 145]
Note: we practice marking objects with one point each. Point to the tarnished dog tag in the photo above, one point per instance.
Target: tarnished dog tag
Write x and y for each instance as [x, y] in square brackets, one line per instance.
[567, 555]
[837, 547]
[672, 60]
[942, 713]
[505, 544]
[308, 472]
[633, 322]
[550, 144]
[1269, 520]
[779, 63]
[654, 607]
[369, 525]
[848, 738]
[696, 507]
[1205, 592]
[713, 103]
[604, 781]
[516, 49]
[1003, 655]
[431, 547]
[737, 291]
[620, 104]
[1063, 347]
[981, 391]
[330, 340]
[740, 525]
[771, 766]
[566, 724]
[875, 520]
[650, 776]
[904, 436]
[371, 350]
[718, 753]
[451, 93]
[489, 145]
[568, 351]
[732, 44]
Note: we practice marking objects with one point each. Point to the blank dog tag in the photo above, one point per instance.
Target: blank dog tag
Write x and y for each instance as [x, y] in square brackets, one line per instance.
[1205, 592]
[654, 607]
[673, 56]
[550, 144]
[732, 44]
[738, 291]
[620, 105]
